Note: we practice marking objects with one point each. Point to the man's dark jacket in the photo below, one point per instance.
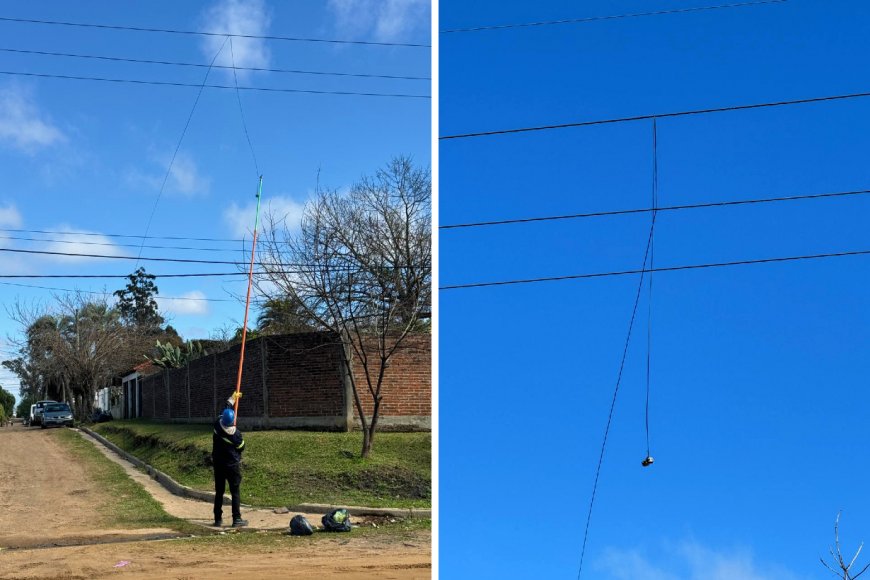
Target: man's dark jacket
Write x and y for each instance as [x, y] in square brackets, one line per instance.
[226, 449]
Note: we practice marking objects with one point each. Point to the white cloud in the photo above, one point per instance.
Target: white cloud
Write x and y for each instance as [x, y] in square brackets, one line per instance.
[184, 177]
[687, 560]
[71, 241]
[190, 304]
[241, 219]
[385, 20]
[10, 217]
[22, 125]
[237, 17]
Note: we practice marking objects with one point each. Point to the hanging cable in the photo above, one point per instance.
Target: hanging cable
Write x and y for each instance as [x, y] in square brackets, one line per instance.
[178, 146]
[615, 392]
[655, 202]
[241, 111]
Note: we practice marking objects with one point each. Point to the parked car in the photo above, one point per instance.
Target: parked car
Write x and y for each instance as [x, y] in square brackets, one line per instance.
[56, 414]
[36, 411]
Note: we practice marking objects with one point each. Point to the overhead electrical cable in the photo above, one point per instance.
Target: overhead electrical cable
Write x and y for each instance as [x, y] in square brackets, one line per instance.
[242, 275]
[305, 267]
[652, 254]
[178, 145]
[230, 87]
[113, 244]
[208, 33]
[121, 276]
[106, 293]
[202, 65]
[642, 271]
[662, 269]
[146, 237]
[242, 112]
[610, 17]
[659, 209]
[658, 115]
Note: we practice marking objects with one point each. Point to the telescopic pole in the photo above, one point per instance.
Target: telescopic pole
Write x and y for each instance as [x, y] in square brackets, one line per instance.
[248, 302]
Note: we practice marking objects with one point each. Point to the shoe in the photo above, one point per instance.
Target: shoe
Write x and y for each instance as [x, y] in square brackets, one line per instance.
[239, 523]
[218, 523]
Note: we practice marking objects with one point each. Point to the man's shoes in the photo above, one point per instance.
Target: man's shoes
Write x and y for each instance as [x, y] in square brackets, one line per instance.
[239, 523]
[218, 523]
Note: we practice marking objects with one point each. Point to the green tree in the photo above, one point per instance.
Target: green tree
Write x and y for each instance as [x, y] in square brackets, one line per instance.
[284, 315]
[23, 409]
[7, 400]
[137, 303]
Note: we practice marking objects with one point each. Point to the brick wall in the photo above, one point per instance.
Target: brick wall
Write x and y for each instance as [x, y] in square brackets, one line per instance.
[294, 380]
[407, 384]
[305, 378]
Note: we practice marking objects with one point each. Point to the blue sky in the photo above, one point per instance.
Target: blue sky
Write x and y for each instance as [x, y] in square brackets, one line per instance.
[758, 373]
[82, 156]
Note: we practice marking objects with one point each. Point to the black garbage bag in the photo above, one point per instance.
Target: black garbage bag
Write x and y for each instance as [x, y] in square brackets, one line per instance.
[337, 520]
[299, 526]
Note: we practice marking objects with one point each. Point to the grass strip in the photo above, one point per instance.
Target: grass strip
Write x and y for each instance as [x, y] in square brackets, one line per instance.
[123, 503]
[415, 530]
[282, 467]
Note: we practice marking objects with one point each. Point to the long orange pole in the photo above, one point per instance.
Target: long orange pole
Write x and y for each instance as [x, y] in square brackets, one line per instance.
[248, 302]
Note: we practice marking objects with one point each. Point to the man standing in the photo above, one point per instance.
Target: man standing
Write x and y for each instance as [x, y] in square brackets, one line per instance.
[227, 447]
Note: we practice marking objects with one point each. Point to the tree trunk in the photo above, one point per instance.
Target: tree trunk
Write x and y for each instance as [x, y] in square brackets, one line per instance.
[367, 443]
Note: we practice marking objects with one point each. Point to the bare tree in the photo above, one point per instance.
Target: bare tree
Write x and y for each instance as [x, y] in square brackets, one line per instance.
[838, 566]
[76, 347]
[359, 267]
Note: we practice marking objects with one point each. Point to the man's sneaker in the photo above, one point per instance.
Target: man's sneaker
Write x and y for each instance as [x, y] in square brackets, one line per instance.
[239, 523]
[218, 523]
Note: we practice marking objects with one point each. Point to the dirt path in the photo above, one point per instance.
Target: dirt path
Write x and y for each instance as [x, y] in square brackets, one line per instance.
[353, 559]
[45, 498]
[35, 471]
[196, 511]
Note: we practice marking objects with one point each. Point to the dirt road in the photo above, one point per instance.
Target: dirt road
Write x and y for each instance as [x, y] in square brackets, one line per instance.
[45, 498]
[47, 530]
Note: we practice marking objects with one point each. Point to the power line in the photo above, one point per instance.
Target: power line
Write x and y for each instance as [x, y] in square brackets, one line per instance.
[201, 65]
[665, 269]
[159, 297]
[611, 17]
[616, 391]
[657, 115]
[82, 233]
[178, 145]
[659, 209]
[652, 255]
[113, 244]
[125, 276]
[179, 260]
[112, 257]
[176, 84]
[242, 111]
[204, 33]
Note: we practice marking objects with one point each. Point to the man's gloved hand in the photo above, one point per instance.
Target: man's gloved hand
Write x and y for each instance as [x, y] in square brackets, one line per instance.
[232, 399]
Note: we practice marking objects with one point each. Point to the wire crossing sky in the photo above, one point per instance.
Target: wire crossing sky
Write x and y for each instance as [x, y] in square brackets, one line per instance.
[741, 354]
[83, 161]
[611, 17]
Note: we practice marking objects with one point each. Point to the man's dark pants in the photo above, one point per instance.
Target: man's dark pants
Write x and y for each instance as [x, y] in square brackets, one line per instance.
[222, 475]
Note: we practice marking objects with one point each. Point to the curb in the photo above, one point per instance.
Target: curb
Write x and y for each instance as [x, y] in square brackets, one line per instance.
[317, 508]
